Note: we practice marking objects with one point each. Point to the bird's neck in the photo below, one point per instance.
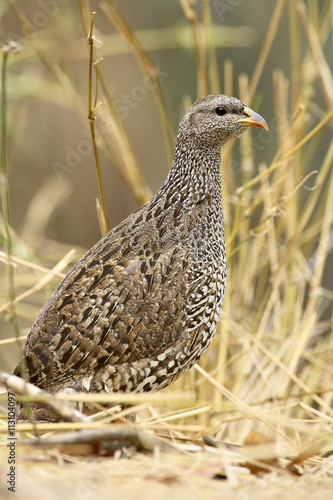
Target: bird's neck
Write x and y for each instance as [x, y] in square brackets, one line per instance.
[193, 199]
[195, 174]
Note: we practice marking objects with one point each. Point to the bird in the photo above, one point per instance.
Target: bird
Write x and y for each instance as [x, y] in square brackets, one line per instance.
[142, 305]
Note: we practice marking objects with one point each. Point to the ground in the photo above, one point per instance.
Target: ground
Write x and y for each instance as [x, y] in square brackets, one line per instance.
[54, 475]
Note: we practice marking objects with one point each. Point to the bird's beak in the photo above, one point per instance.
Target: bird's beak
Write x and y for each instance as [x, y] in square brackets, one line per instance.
[253, 119]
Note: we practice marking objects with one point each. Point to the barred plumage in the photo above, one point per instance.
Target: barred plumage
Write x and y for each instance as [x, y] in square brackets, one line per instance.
[143, 304]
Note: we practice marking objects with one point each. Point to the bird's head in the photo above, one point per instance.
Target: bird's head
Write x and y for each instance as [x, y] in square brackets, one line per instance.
[215, 119]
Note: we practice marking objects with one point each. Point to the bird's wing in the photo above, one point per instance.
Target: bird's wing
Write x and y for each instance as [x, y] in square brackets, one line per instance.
[119, 306]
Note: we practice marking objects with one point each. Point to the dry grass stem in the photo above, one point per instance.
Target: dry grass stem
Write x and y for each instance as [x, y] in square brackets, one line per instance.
[92, 108]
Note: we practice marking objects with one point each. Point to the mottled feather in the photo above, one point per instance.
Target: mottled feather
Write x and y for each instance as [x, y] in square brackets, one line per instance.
[142, 305]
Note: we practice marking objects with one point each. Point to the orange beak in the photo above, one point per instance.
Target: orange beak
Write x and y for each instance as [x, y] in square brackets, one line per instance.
[253, 119]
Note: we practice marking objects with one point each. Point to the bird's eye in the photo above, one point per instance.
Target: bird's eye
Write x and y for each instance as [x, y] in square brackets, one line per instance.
[220, 111]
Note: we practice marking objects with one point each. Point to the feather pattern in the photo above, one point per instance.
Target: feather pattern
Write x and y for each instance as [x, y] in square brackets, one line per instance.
[143, 304]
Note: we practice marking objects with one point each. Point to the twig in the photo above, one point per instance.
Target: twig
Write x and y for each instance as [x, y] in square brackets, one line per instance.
[118, 150]
[22, 388]
[92, 108]
[140, 439]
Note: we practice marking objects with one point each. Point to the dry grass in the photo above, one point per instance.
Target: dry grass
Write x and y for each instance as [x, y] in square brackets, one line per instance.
[269, 367]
